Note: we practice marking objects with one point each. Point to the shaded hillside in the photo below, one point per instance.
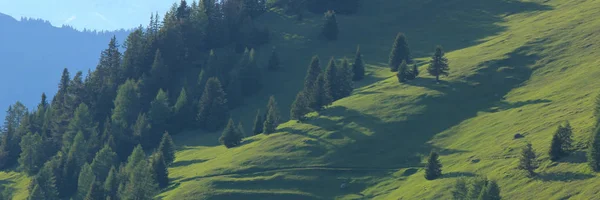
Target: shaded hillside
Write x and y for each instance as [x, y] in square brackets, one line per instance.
[33, 54]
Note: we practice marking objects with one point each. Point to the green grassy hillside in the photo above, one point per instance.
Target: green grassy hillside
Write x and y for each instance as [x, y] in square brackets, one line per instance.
[516, 67]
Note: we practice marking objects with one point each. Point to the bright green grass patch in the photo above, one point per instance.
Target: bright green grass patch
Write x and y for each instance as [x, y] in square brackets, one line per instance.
[16, 182]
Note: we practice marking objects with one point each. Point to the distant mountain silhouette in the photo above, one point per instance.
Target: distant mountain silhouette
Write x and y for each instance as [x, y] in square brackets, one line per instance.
[33, 54]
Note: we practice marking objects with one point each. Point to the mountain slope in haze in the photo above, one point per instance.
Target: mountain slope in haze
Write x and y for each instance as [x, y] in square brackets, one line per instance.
[33, 54]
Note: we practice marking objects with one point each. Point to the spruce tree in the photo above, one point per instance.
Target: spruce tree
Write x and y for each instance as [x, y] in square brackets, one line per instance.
[160, 113]
[32, 155]
[241, 131]
[212, 108]
[345, 79]
[593, 153]
[403, 73]
[160, 169]
[230, 136]
[319, 98]
[123, 116]
[490, 192]
[312, 73]
[141, 183]
[94, 192]
[400, 52]
[85, 180]
[331, 82]
[556, 147]
[459, 192]
[258, 123]
[438, 65]
[137, 156]
[47, 182]
[475, 187]
[358, 67]
[36, 193]
[528, 161]
[414, 72]
[300, 107]
[105, 160]
[274, 64]
[330, 26]
[142, 131]
[110, 185]
[433, 168]
[184, 113]
[167, 147]
[81, 122]
[273, 119]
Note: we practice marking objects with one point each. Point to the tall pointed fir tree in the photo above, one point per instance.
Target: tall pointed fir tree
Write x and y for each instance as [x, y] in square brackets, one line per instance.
[345, 79]
[160, 113]
[358, 67]
[212, 108]
[331, 81]
[123, 116]
[312, 73]
[319, 98]
[438, 65]
[414, 72]
[528, 160]
[167, 147]
[141, 183]
[110, 185]
[230, 136]
[184, 113]
[142, 131]
[433, 168]
[159, 76]
[273, 119]
[60, 107]
[403, 73]
[561, 142]
[104, 160]
[94, 192]
[258, 123]
[47, 182]
[330, 26]
[32, 155]
[274, 63]
[81, 122]
[490, 192]
[399, 52]
[86, 179]
[159, 167]
[300, 107]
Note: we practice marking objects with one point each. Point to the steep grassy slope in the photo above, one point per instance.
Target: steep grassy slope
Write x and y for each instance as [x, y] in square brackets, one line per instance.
[517, 67]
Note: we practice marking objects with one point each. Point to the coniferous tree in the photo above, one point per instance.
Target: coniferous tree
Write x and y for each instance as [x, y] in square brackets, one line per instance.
[212, 108]
[86, 179]
[274, 64]
[414, 72]
[258, 123]
[345, 79]
[358, 67]
[438, 65]
[528, 161]
[123, 116]
[105, 160]
[159, 75]
[160, 169]
[330, 26]
[142, 130]
[593, 151]
[273, 119]
[249, 73]
[475, 187]
[141, 183]
[36, 193]
[167, 147]
[300, 107]
[78, 151]
[111, 184]
[32, 153]
[403, 73]
[230, 136]
[400, 52]
[94, 192]
[319, 98]
[459, 191]
[81, 122]
[433, 168]
[234, 93]
[331, 82]
[47, 182]
[160, 112]
[556, 150]
[184, 113]
[241, 131]
[137, 156]
[60, 106]
[312, 73]
[490, 192]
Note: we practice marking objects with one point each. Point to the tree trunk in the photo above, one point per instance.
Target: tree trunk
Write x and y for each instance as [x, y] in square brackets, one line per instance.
[437, 79]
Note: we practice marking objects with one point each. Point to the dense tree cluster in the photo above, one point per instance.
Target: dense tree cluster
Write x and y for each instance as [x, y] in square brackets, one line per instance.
[477, 188]
[318, 6]
[88, 141]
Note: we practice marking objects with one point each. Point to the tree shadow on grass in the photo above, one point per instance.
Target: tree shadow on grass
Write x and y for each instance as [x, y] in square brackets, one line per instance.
[563, 176]
[575, 157]
[458, 174]
[187, 162]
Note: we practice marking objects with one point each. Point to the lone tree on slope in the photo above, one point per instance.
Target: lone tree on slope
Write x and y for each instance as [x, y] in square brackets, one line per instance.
[561, 142]
[438, 64]
[528, 161]
[433, 169]
[358, 67]
[400, 52]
